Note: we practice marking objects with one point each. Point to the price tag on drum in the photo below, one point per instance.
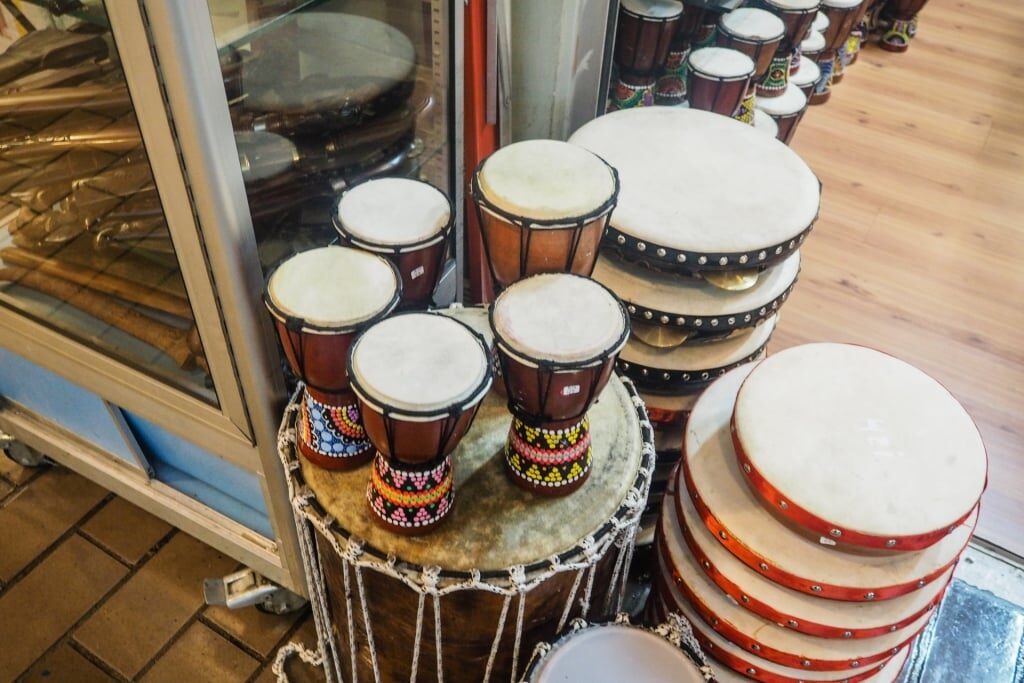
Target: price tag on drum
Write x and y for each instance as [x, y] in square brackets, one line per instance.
[416, 272]
[571, 390]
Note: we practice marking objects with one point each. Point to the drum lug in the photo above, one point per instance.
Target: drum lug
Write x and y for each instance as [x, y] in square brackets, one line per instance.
[246, 588]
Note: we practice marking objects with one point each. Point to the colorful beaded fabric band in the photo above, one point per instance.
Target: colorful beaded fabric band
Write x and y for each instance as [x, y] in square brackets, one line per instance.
[548, 458]
[775, 81]
[627, 96]
[334, 432]
[746, 110]
[410, 499]
[671, 85]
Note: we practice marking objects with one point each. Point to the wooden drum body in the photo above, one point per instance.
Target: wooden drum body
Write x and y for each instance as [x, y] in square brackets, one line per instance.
[484, 591]
[643, 37]
[719, 79]
[543, 207]
[409, 222]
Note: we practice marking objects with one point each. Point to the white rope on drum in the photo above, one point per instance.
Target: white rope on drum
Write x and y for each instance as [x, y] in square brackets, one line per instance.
[619, 533]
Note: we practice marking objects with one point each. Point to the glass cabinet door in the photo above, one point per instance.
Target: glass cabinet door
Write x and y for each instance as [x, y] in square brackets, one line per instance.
[326, 93]
[84, 245]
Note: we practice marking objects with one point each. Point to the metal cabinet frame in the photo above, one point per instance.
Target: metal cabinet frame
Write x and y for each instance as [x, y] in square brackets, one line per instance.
[169, 55]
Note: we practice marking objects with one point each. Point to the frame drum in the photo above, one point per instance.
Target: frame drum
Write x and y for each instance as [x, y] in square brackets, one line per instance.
[543, 207]
[504, 572]
[753, 534]
[787, 111]
[696, 150]
[718, 79]
[612, 653]
[407, 221]
[877, 420]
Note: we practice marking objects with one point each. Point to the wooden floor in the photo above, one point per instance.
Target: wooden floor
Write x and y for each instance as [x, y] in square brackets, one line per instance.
[919, 250]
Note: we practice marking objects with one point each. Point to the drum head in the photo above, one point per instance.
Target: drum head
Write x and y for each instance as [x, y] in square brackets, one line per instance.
[820, 22]
[309, 287]
[394, 212]
[813, 43]
[791, 101]
[420, 363]
[796, 560]
[793, 5]
[615, 653]
[752, 24]
[764, 123]
[667, 299]
[653, 9]
[559, 318]
[840, 4]
[861, 439]
[721, 62]
[346, 59]
[808, 74]
[707, 156]
[546, 180]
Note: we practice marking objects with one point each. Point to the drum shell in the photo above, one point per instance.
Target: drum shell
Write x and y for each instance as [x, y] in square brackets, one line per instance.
[641, 43]
[762, 52]
[841, 23]
[692, 25]
[320, 360]
[904, 10]
[515, 251]
[711, 94]
[415, 442]
[417, 287]
[468, 620]
[570, 392]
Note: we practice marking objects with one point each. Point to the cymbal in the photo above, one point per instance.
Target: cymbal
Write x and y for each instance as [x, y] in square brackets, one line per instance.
[733, 280]
[659, 336]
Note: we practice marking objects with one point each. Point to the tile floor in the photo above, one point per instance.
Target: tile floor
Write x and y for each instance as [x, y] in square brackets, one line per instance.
[94, 589]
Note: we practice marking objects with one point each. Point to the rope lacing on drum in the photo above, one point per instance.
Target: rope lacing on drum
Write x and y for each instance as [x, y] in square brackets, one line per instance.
[356, 556]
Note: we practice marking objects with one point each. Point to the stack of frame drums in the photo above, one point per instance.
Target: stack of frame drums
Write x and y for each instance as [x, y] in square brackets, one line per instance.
[702, 280]
[799, 536]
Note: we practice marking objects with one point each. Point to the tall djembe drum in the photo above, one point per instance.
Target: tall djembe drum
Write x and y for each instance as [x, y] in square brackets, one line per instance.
[644, 33]
[797, 16]
[843, 16]
[810, 552]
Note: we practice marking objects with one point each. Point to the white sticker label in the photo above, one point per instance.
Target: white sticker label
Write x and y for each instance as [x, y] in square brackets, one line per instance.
[826, 541]
[416, 273]
[571, 390]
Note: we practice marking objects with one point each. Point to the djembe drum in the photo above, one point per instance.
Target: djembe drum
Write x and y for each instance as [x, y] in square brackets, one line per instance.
[719, 80]
[642, 40]
[407, 221]
[419, 378]
[807, 76]
[787, 111]
[557, 336]
[716, 235]
[320, 300]
[543, 207]
[617, 652]
[843, 16]
[797, 16]
[901, 19]
[506, 571]
[850, 47]
[757, 34]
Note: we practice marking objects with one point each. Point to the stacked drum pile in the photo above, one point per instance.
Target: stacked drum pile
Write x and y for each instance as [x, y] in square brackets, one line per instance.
[761, 64]
[800, 538]
[702, 274]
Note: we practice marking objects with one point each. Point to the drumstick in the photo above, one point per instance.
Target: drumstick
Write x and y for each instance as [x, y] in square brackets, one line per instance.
[171, 340]
[100, 282]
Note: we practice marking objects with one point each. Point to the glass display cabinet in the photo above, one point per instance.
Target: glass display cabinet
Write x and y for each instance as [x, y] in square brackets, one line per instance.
[156, 159]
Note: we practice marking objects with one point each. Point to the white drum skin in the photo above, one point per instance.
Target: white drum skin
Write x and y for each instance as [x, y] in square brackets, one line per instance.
[876, 420]
[718, 232]
[613, 654]
[738, 517]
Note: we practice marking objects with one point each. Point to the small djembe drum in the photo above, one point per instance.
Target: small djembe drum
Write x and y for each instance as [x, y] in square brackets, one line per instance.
[643, 37]
[420, 378]
[557, 337]
[757, 34]
[787, 110]
[618, 651]
[843, 16]
[797, 16]
[320, 300]
[543, 207]
[407, 221]
[899, 18]
[720, 80]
